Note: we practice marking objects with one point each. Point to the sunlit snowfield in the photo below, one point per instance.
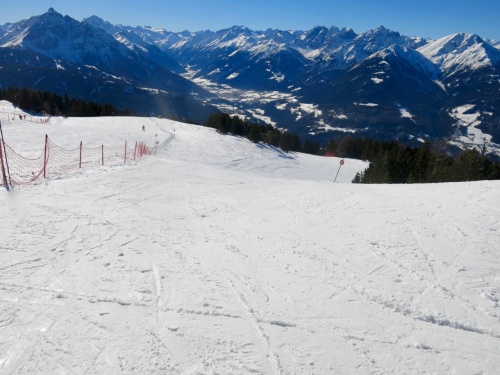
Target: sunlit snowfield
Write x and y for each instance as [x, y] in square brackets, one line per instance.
[219, 256]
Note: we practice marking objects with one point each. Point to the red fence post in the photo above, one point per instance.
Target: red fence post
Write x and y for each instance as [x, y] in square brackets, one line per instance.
[81, 143]
[45, 157]
[3, 168]
[6, 166]
[135, 150]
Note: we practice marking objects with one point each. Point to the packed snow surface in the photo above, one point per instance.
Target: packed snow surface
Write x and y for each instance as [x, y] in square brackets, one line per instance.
[219, 256]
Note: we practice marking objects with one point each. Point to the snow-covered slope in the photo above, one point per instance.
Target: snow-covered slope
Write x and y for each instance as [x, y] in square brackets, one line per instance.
[182, 142]
[411, 56]
[221, 256]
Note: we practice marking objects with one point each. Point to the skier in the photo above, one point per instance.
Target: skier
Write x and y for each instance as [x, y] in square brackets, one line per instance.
[143, 128]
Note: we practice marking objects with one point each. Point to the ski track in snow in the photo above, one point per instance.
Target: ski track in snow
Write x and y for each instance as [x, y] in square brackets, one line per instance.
[218, 256]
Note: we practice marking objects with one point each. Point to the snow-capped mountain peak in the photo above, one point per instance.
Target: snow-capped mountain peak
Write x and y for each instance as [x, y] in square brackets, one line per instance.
[62, 37]
[99, 23]
[461, 52]
[411, 56]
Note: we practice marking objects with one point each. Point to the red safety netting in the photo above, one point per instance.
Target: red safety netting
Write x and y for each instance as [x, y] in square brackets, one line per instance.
[20, 170]
[56, 161]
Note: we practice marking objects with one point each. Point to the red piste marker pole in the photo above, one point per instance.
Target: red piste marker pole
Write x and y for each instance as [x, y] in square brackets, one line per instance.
[341, 164]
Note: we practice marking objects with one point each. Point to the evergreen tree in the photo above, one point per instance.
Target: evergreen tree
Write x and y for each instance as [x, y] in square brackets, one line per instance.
[289, 142]
[310, 147]
[467, 166]
[271, 137]
[254, 134]
[238, 126]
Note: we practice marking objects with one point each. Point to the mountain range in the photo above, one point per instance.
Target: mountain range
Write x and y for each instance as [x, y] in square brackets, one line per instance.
[319, 83]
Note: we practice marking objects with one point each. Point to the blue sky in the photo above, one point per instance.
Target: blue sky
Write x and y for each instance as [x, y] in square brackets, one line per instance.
[426, 18]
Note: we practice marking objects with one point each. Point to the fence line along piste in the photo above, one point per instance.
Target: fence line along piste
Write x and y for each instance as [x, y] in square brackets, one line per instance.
[56, 161]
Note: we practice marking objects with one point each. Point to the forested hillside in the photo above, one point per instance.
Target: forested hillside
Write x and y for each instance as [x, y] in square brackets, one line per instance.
[36, 101]
[393, 162]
